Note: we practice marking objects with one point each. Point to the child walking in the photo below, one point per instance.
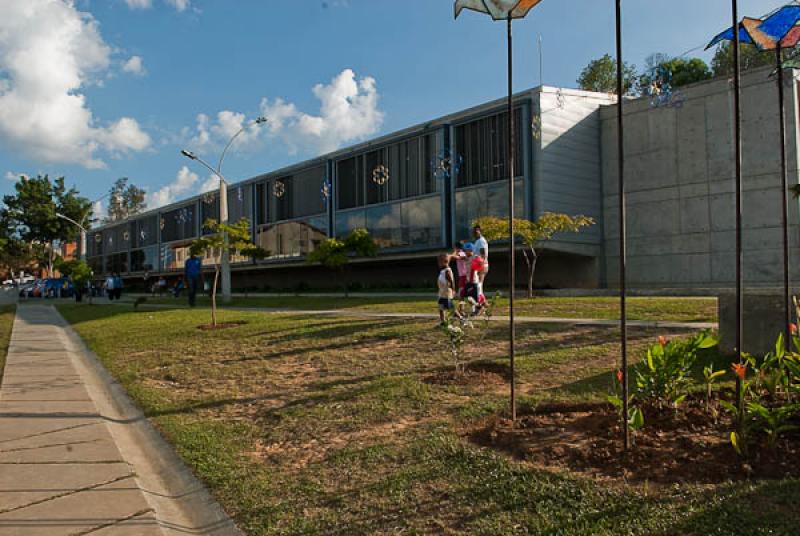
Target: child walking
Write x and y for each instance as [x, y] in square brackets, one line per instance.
[462, 268]
[447, 285]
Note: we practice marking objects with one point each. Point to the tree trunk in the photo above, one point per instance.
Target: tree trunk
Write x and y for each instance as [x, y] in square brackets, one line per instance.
[530, 260]
[214, 297]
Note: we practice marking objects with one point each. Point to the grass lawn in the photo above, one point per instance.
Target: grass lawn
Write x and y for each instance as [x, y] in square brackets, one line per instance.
[6, 323]
[303, 425]
[639, 308]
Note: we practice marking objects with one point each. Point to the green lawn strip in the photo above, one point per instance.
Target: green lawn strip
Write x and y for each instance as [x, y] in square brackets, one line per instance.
[639, 308]
[327, 426]
[7, 313]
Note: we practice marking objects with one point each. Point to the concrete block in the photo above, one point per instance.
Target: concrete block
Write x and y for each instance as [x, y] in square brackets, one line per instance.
[762, 321]
[694, 214]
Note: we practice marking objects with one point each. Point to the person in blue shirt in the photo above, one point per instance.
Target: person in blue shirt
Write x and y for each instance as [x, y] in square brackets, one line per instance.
[192, 270]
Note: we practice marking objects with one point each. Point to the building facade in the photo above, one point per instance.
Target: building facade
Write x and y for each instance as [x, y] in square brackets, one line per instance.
[395, 188]
[679, 175]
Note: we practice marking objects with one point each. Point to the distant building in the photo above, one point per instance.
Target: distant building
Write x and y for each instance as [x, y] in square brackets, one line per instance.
[679, 173]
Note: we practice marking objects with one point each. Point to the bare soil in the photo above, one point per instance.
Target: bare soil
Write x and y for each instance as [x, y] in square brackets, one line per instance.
[220, 326]
[683, 446]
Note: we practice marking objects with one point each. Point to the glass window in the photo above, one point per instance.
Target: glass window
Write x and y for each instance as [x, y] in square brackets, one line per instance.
[117, 239]
[350, 182]
[422, 222]
[173, 256]
[94, 244]
[145, 232]
[483, 147]
[394, 172]
[414, 223]
[240, 203]
[178, 224]
[144, 260]
[96, 264]
[293, 239]
[296, 196]
[488, 200]
[261, 205]
[209, 210]
[117, 262]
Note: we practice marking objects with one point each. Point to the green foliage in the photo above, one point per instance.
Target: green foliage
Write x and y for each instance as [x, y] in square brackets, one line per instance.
[773, 422]
[749, 58]
[600, 75]
[77, 271]
[683, 71]
[125, 200]
[335, 254]
[532, 234]
[709, 377]
[238, 240]
[663, 377]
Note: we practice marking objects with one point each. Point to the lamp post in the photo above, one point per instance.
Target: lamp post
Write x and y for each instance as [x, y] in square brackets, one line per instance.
[83, 233]
[223, 203]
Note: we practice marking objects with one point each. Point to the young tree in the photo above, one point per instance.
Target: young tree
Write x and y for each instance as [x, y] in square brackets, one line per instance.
[236, 237]
[601, 76]
[749, 57]
[79, 273]
[125, 200]
[335, 254]
[532, 234]
[31, 212]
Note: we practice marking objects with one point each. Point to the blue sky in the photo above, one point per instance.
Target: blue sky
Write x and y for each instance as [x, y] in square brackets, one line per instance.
[132, 77]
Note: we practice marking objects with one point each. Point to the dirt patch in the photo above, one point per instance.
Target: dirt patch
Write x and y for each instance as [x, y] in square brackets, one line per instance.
[221, 325]
[687, 446]
[470, 376]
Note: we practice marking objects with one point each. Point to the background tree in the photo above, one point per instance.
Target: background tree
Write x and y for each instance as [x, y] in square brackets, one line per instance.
[335, 254]
[532, 234]
[750, 58]
[681, 71]
[31, 212]
[238, 243]
[125, 200]
[601, 76]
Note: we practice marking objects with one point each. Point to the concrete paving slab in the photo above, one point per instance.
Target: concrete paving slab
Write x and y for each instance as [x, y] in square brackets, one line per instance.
[87, 451]
[23, 429]
[91, 431]
[70, 393]
[38, 408]
[81, 510]
[28, 483]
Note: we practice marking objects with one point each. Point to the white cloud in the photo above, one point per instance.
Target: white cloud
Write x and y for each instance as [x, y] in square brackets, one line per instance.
[49, 51]
[135, 66]
[98, 210]
[348, 112]
[13, 176]
[211, 183]
[184, 182]
[180, 5]
[139, 4]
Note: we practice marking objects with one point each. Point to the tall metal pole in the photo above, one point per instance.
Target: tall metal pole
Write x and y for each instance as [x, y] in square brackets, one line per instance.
[623, 236]
[227, 293]
[787, 311]
[737, 118]
[512, 245]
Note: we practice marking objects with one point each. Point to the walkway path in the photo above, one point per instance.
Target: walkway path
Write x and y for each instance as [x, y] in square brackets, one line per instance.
[655, 324]
[69, 461]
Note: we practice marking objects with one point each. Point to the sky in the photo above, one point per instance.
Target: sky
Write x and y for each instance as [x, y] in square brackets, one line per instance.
[94, 90]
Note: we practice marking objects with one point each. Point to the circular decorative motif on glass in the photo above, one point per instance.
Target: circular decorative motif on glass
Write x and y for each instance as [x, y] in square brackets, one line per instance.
[278, 189]
[239, 194]
[126, 236]
[98, 239]
[161, 224]
[380, 175]
[209, 198]
[536, 126]
[143, 235]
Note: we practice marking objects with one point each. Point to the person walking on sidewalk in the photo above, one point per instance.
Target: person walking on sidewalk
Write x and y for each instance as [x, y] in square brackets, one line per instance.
[192, 270]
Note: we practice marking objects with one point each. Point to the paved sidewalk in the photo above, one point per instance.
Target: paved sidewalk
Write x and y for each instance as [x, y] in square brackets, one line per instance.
[654, 324]
[60, 469]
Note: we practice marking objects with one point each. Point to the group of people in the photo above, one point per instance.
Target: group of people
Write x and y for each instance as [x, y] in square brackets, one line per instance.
[472, 266]
[113, 286]
[189, 282]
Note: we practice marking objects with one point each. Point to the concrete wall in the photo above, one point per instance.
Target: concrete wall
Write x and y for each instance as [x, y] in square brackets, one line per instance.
[680, 187]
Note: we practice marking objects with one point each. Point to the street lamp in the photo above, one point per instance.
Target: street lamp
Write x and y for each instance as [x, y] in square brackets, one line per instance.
[82, 225]
[223, 202]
